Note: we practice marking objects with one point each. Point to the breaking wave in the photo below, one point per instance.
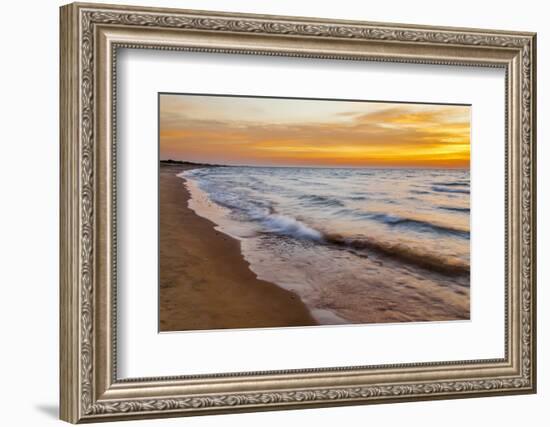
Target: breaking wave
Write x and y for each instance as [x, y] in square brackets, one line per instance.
[291, 227]
[418, 225]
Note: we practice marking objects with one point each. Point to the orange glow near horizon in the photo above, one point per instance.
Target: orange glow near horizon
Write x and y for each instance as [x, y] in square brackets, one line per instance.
[314, 133]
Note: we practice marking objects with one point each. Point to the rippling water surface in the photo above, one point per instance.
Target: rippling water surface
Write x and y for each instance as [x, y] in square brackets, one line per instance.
[357, 245]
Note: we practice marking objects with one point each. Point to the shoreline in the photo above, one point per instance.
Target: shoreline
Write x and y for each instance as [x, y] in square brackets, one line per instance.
[205, 281]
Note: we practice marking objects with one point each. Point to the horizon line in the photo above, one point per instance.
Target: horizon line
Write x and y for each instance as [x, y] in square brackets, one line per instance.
[177, 161]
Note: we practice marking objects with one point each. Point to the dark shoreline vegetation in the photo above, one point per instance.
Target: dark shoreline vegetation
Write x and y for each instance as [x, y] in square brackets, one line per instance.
[186, 163]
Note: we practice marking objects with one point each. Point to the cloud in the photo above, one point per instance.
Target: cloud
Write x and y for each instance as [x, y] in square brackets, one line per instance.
[399, 135]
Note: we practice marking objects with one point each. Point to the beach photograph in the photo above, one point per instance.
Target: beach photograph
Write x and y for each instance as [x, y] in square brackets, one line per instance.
[299, 212]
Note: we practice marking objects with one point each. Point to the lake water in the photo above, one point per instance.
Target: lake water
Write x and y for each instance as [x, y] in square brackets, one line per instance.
[356, 245]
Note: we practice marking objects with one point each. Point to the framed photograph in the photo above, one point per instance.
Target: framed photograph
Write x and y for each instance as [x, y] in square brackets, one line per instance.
[266, 212]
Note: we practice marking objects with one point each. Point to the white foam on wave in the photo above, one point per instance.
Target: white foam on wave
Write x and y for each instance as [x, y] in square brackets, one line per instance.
[200, 203]
[288, 226]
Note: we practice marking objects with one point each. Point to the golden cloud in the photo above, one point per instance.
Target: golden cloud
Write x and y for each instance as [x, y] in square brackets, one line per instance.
[401, 135]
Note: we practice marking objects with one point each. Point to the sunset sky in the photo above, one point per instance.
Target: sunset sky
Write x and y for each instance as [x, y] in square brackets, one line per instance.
[295, 132]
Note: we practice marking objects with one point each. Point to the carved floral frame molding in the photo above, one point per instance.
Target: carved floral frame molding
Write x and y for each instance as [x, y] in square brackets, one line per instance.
[90, 390]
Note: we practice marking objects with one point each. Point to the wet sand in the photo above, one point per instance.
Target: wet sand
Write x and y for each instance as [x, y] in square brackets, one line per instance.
[205, 282]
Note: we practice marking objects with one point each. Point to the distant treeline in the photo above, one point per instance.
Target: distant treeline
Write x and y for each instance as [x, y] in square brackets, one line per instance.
[181, 162]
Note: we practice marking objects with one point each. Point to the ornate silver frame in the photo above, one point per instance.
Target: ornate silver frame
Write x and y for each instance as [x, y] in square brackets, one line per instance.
[90, 36]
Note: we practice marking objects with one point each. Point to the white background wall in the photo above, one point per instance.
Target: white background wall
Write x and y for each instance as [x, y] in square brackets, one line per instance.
[29, 170]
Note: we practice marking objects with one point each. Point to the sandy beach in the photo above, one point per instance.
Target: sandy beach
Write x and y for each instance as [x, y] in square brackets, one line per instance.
[205, 282]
